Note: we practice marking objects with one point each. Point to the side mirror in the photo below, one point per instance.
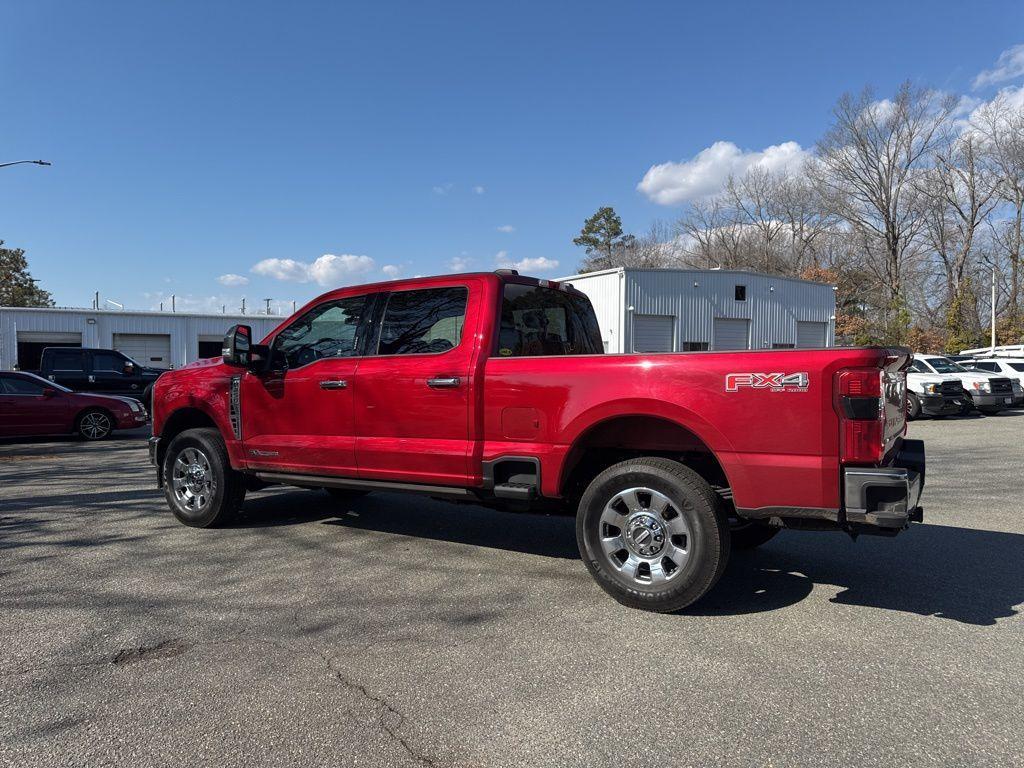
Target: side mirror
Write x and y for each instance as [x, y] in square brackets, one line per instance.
[49, 392]
[128, 369]
[236, 346]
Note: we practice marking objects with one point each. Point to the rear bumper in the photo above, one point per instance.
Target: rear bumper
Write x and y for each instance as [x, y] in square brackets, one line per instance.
[886, 497]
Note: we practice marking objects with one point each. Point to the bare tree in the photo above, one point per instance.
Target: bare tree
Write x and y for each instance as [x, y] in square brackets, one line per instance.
[869, 159]
[755, 198]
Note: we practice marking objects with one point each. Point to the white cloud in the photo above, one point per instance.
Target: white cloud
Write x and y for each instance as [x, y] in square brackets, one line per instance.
[1009, 65]
[459, 263]
[538, 264]
[443, 189]
[231, 280]
[507, 228]
[391, 270]
[705, 174]
[329, 269]
[478, 190]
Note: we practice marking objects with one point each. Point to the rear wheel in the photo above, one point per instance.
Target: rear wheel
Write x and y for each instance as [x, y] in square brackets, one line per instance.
[201, 488]
[94, 425]
[913, 406]
[651, 534]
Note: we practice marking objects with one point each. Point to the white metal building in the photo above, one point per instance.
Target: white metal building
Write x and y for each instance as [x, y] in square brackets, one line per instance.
[157, 339]
[681, 310]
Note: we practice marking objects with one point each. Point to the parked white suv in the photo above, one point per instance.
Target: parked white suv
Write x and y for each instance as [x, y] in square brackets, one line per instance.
[980, 390]
[1010, 367]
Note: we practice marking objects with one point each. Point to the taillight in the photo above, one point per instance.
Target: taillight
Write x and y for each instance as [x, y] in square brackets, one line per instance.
[861, 412]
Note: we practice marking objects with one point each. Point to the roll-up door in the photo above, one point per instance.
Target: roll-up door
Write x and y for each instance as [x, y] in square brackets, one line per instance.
[731, 334]
[810, 335]
[654, 333]
[149, 349]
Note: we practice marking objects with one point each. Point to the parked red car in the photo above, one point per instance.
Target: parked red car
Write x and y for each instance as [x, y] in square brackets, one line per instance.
[495, 389]
[30, 405]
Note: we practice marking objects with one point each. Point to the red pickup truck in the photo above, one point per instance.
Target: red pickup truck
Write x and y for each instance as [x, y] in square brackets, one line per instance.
[493, 388]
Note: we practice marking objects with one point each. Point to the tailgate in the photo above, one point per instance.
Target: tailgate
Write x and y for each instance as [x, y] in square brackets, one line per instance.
[894, 396]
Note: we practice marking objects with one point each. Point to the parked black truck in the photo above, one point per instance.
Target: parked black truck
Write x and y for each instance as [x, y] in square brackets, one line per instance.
[103, 371]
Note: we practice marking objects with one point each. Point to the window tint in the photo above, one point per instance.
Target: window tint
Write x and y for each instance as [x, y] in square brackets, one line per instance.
[539, 321]
[67, 360]
[986, 366]
[107, 362]
[16, 385]
[423, 322]
[327, 330]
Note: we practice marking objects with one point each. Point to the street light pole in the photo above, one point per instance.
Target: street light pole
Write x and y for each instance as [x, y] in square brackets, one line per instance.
[20, 162]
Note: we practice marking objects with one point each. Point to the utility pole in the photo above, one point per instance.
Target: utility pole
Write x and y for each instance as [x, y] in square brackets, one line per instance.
[96, 300]
[268, 305]
[173, 303]
[243, 305]
[993, 309]
[293, 306]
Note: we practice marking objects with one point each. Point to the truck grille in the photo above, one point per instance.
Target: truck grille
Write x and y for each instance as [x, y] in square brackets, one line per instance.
[1001, 386]
[954, 387]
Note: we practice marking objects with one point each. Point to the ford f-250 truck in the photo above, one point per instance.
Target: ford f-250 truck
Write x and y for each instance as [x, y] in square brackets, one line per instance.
[494, 389]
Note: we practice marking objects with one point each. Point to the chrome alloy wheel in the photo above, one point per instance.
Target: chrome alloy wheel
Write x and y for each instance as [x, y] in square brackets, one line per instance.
[192, 480]
[644, 536]
[95, 425]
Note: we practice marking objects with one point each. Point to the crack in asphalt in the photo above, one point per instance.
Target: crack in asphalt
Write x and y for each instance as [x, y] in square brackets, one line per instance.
[385, 709]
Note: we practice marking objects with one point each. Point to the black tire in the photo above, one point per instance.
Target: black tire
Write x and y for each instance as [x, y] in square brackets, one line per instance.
[226, 491]
[94, 424]
[703, 550]
[345, 494]
[147, 399]
[966, 405]
[913, 407]
[749, 534]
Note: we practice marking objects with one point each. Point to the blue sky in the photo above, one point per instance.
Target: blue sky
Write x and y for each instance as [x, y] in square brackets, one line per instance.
[195, 141]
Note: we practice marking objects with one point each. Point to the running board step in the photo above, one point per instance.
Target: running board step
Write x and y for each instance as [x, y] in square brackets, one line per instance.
[517, 491]
[326, 481]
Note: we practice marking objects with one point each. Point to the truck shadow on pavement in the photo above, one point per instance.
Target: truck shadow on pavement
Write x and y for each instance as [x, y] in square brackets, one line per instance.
[963, 574]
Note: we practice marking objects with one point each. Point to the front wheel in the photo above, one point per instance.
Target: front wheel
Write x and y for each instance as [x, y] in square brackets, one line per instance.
[94, 425]
[913, 406]
[652, 535]
[201, 488]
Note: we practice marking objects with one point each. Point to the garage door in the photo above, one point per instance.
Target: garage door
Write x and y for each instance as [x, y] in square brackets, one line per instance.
[152, 349]
[32, 343]
[731, 334]
[654, 333]
[810, 335]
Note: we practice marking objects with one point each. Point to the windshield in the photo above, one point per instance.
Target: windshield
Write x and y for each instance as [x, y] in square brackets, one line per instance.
[942, 365]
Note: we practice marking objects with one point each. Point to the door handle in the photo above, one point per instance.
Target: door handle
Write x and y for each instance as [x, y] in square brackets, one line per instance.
[444, 382]
[333, 384]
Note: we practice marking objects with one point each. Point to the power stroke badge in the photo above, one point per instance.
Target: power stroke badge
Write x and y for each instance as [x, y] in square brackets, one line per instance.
[773, 382]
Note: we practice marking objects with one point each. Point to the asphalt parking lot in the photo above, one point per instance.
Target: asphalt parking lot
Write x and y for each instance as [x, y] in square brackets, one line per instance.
[400, 631]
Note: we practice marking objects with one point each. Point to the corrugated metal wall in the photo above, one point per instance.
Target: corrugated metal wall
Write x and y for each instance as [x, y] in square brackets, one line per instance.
[184, 329]
[695, 298]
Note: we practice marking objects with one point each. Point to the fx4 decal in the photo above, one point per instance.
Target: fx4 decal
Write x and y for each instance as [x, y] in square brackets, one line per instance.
[775, 382]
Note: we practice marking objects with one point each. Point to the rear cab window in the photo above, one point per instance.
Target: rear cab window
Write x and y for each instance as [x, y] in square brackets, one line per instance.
[539, 321]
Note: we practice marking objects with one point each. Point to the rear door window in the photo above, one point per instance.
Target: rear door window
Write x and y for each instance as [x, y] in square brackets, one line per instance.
[67, 360]
[538, 321]
[16, 385]
[427, 321]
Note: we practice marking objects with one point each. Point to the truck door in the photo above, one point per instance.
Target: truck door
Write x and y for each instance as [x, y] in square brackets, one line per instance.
[112, 374]
[297, 416]
[414, 389]
[67, 366]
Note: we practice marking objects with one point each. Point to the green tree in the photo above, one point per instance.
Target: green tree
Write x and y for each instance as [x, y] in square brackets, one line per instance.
[601, 235]
[17, 289]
